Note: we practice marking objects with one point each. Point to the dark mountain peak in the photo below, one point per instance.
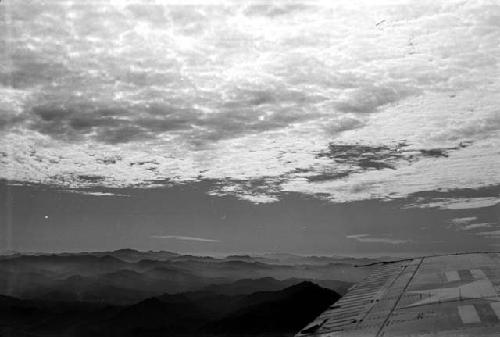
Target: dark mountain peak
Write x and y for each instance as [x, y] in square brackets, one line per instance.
[270, 313]
[275, 312]
[303, 291]
[125, 251]
[304, 285]
[150, 302]
[237, 256]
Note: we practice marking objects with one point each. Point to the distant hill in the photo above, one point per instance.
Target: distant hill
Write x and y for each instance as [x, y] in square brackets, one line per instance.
[264, 313]
[132, 255]
[128, 276]
[247, 286]
[275, 313]
[128, 293]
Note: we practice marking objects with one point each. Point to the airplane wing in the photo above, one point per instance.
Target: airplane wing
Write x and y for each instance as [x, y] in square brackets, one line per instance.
[447, 295]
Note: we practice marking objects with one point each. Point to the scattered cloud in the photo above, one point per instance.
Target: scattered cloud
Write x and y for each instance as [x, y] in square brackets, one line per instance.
[97, 194]
[469, 223]
[464, 220]
[491, 234]
[369, 99]
[458, 203]
[183, 238]
[477, 225]
[317, 98]
[258, 191]
[370, 239]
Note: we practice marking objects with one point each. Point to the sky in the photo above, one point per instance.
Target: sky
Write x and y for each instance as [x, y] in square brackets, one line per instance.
[314, 127]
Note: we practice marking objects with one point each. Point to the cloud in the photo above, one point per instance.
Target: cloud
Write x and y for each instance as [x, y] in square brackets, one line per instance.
[111, 125]
[343, 123]
[490, 234]
[182, 238]
[96, 193]
[257, 191]
[469, 223]
[369, 99]
[123, 123]
[273, 9]
[477, 225]
[370, 239]
[314, 97]
[463, 221]
[458, 203]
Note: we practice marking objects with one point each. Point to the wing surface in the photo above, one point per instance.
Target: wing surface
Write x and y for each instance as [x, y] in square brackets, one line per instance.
[447, 295]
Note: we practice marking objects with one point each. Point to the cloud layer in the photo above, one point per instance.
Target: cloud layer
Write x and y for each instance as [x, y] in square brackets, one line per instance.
[334, 100]
[183, 238]
[367, 238]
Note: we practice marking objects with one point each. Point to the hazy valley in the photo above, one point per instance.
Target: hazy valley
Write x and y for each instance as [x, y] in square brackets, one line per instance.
[132, 293]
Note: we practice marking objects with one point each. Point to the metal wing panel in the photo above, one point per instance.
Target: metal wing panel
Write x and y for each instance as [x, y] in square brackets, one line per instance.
[449, 295]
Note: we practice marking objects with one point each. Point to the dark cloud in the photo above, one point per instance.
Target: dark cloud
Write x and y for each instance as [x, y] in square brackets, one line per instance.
[147, 162]
[253, 97]
[343, 124]
[74, 122]
[253, 111]
[329, 175]
[434, 153]
[23, 67]
[122, 134]
[275, 96]
[274, 10]
[27, 74]
[444, 151]
[86, 123]
[52, 113]
[7, 119]
[120, 123]
[367, 157]
[228, 125]
[110, 160]
[110, 125]
[160, 118]
[368, 99]
[90, 179]
[141, 78]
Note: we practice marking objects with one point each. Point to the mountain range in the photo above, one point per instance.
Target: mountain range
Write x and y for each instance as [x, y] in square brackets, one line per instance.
[133, 293]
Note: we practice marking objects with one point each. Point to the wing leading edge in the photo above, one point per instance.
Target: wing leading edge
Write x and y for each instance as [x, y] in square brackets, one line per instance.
[447, 295]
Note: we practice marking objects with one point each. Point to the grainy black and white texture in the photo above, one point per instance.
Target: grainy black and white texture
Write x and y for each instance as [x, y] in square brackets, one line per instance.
[312, 127]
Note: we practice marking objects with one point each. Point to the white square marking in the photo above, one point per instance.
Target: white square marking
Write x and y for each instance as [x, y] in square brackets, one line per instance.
[496, 308]
[468, 314]
[478, 274]
[452, 275]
